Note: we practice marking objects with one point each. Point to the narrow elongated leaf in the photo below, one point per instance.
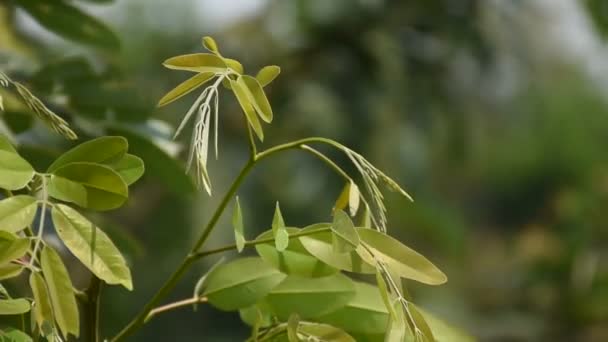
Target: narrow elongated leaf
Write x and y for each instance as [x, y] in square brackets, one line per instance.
[400, 259]
[420, 322]
[342, 200]
[92, 186]
[15, 172]
[103, 150]
[281, 237]
[294, 260]
[210, 44]
[241, 283]
[237, 224]
[256, 96]
[99, 255]
[8, 271]
[345, 238]
[12, 247]
[353, 198]
[320, 246]
[70, 22]
[248, 109]
[397, 329]
[63, 301]
[267, 74]
[310, 297]
[17, 212]
[14, 306]
[43, 312]
[130, 168]
[197, 62]
[185, 88]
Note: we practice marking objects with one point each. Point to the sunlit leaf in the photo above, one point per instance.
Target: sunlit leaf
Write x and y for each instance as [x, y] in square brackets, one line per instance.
[234, 65]
[342, 200]
[421, 322]
[241, 283]
[43, 312]
[345, 238]
[130, 168]
[197, 62]
[185, 87]
[103, 150]
[237, 225]
[12, 247]
[397, 329]
[63, 301]
[353, 198]
[267, 74]
[99, 255]
[17, 212]
[14, 306]
[15, 172]
[256, 96]
[248, 109]
[210, 44]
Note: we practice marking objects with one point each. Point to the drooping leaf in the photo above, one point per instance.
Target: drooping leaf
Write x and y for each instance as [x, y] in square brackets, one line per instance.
[345, 238]
[89, 185]
[400, 259]
[17, 212]
[295, 260]
[185, 88]
[248, 109]
[8, 271]
[103, 150]
[210, 44]
[63, 301]
[310, 297]
[256, 96]
[15, 172]
[267, 74]
[12, 247]
[98, 254]
[14, 306]
[43, 312]
[70, 22]
[421, 322]
[281, 237]
[320, 246]
[130, 168]
[241, 283]
[13, 335]
[197, 62]
[237, 225]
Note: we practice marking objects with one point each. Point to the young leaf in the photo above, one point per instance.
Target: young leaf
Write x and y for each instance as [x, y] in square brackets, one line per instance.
[241, 283]
[366, 220]
[197, 62]
[103, 150]
[281, 237]
[234, 65]
[342, 200]
[353, 198]
[295, 259]
[14, 306]
[8, 271]
[292, 328]
[345, 238]
[310, 297]
[185, 87]
[210, 44]
[12, 247]
[248, 109]
[400, 259]
[43, 312]
[267, 74]
[385, 294]
[420, 322]
[15, 172]
[130, 168]
[63, 301]
[89, 185]
[256, 96]
[17, 212]
[323, 332]
[99, 255]
[237, 224]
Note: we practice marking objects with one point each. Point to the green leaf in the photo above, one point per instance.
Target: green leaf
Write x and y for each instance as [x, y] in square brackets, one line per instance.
[15, 172]
[295, 260]
[130, 168]
[13, 335]
[320, 245]
[197, 62]
[281, 237]
[420, 322]
[237, 224]
[345, 238]
[256, 96]
[12, 247]
[366, 220]
[260, 314]
[400, 259]
[185, 88]
[17, 212]
[443, 331]
[43, 312]
[397, 329]
[310, 297]
[5, 144]
[14, 306]
[323, 332]
[61, 292]
[210, 44]
[384, 293]
[364, 313]
[98, 254]
[243, 99]
[89, 185]
[342, 200]
[292, 327]
[103, 150]
[267, 74]
[70, 22]
[241, 283]
[353, 198]
[202, 282]
[234, 65]
[8, 271]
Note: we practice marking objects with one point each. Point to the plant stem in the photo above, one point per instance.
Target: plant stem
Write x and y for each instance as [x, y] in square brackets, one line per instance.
[93, 294]
[42, 218]
[175, 305]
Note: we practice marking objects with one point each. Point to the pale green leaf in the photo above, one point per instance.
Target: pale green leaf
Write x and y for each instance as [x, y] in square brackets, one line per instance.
[197, 62]
[99, 255]
[260, 314]
[61, 293]
[256, 96]
[397, 329]
[345, 238]
[13, 335]
[185, 87]
[14, 306]
[241, 283]
[8, 271]
[17, 212]
[267, 74]
[210, 44]
[420, 322]
[385, 294]
[342, 200]
[130, 168]
[323, 332]
[43, 312]
[353, 198]
[237, 225]
[248, 109]
[202, 282]
[103, 150]
[15, 172]
[281, 237]
[234, 65]
[12, 247]
[292, 327]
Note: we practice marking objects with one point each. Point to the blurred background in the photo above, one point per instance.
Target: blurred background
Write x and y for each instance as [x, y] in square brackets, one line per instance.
[493, 114]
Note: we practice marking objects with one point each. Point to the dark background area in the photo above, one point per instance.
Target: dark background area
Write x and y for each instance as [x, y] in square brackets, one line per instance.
[493, 114]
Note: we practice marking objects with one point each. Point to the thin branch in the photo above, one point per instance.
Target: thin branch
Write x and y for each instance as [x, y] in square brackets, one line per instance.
[93, 294]
[174, 305]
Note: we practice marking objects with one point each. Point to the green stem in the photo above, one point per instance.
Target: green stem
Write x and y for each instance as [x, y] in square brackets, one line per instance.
[175, 305]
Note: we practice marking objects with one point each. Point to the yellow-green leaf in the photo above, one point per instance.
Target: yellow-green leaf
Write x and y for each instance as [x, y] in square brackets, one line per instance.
[185, 87]
[345, 238]
[43, 312]
[256, 96]
[14, 306]
[237, 225]
[98, 254]
[130, 168]
[8, 271]
[196, 62]
[210, 44]
[103, 150]
[12, 247]
[234, 65]
[243, 99]
[17, 212]
[281, 237]
[267, 74]
[15, 172]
